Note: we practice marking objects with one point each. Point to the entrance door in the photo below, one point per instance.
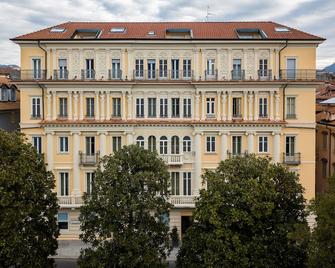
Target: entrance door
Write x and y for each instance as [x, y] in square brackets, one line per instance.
[186, 222]
[291, 69]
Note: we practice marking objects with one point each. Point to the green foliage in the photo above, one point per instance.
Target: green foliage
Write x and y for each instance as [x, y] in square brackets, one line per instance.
[123, 218]
[252, 215]
[322, 245]
[28, 227]
[174, 237]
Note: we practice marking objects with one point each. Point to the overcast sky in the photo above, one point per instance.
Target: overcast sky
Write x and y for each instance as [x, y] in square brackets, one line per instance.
[24, 16]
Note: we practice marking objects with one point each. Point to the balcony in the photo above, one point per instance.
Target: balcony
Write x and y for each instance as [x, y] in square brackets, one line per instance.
[292, 158]
[61, 74]
[70, 201]
[173, 159]
[29, 75]
[114, 74]
[211, 74]
[87, 74]
[238, 74]
[264, 74]
[183, 201]
[89, 159]
[297, 74]
[163, 75]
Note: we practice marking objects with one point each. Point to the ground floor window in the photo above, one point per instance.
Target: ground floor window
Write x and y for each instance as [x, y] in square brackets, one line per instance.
[63, 221]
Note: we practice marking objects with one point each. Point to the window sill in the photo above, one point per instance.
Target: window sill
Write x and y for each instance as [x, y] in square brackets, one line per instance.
[210, 153]
[63, 153]
[35, 118]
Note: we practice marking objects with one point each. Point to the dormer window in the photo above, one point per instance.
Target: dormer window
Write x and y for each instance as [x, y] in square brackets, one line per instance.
[118, 30]
[179, 33]
[151, 33]
[57, 30]
[250, 33]
[281, 29]
[86, 34]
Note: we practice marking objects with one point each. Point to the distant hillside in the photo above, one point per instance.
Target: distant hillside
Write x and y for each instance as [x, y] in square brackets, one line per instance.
[12, 66]
[330, 68]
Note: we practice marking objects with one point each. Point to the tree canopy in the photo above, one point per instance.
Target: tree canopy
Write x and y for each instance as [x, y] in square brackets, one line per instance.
[28, 207]
[251, 215]
[124, 218]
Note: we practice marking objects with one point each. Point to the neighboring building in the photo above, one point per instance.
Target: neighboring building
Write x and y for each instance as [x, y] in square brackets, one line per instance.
[195, 92]
[325, 136]
[9, 105]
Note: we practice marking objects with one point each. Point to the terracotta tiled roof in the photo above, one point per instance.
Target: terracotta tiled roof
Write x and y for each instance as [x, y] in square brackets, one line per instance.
[139, 30]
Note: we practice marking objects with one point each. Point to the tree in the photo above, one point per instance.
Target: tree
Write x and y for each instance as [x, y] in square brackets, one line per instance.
[252, 215]
[322, 245]
[28, 207]
[124, 219]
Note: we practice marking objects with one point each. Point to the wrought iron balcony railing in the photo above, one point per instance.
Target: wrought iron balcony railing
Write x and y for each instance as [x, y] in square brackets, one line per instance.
[89, 159]
[264, 74]
[292, 158]
[211, 74]
[297, 74]
[29, 75]
[238, 74]
[114, 74]
[163, 74]
[87, 74]
[62, 74]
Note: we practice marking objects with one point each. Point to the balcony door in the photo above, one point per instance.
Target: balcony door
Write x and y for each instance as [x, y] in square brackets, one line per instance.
[175, 68]
[291, 68]
[116, 69]
[62, 68]
[151, 69]
[37, 69]
[263, 68]
[237, 69]
[90, 145]
[89, 68]
[290, 146]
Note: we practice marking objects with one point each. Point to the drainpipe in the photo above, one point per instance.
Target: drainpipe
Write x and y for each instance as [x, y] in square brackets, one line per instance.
[46, 71]
[286, 44]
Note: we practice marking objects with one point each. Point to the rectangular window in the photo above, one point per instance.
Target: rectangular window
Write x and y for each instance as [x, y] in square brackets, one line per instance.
[210, 67]
[187, 108]
[263, 144]
[175, 107]
[325, 140]
[324, 167]
[175, 69]
[290, 108]
[63, 221]
[151, 69]
[210, 106]
[89, 181]
[90, 145]
[139, 107]
[64, 183]
[116, 69]
[62, 69]
[210, 144]
[163, 71]
[89, 107]
[116, 107]
[36, 107]
[116, 143]
[163, 104]
[163, 145]
[187, 68]
[237, 145]
[4, 94]
[291, 65]
[89, 69]
[290, 145]
[187, 183]
[237, 107]
[237, 69]
[37, 144]
[151, 107]
[175, 183]
[62, 107]
[263, 68]
[139, 68]
[263, 107]
[37, 72]
[63, 144]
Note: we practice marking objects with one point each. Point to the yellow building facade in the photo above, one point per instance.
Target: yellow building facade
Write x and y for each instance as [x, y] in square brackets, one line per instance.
[197, 93]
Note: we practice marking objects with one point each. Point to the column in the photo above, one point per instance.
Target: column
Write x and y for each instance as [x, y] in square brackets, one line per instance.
[81, 116]
[276, 147]
[256, 106]
[49, 105]
[50, 153]
[54, 107]
[130, 138]
[102, 142]
[108, 112]
[218, 110]
[250, 106]
[49, 71]
[197, 164]
[97, 105]
[271, 105]
[129, 98]
[70, 106]
[229, 63]
[224, 103]
[256, 51]
[224, 145]
[196, 108]
[229, 106]
[123, 64]
[54, 51]
[196, 64]
[76, 172]
[276, 73]
[244, 62]
[277, 112]
[130, 64]
[271, 64]
[203, 100]
[102, 107]
[250, 142]
[75, 100]
[123, 106]
[245, 105]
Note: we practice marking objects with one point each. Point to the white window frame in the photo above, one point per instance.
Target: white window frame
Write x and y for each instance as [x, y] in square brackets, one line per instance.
[234, 145]
[63, 107]
[90, 148]
[262, 140]
[163, 107]
[294, 114]
[37, 107]
[66, 190]
[187, 144]
[175, 183]
[210, 144]
[140, 107]
[37, 143]
[117, 141]
[263, 106]
[89, 178]
[90, 107]
[139, 68]
[175, 107]
[163, 145]
[62, 145]
[210, 67]
[116, 103]
[152, 107]
[187, 183]
[140, 141]
[187, 107]
[210, 106]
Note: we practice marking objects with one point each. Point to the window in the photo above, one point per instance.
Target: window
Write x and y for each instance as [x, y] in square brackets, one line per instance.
[151, 69]
[37, 144]
[116, 107]
[139, 107]
[62, 63]
[116, 69]
[175, 183]
[63, 221]
[117, 143]
[324, 140]
[210, 144]
[324, 167]
[163, 145]
[89, 107]
[90, 145]
[37, 73]
[263, 107]
[64, 183]
[117, 30]
[263, 68]
[237, 69]
[140, 141]
[187, 183]
[152, 143]
[163, 72]
[187, 108]
[57, 30]
[4, 94]
[290, 146]
[90, 176]
[210, 104]
[291, 65]
[62, 107]
[175, 107]
[237, 145]
[210, 67]
[187, 144]
[175, 69]
[263, 144]
[290, 108]
[89, 69]
[163, 102]
[63, 144]
[139, 68]
[187, 68]
[12, 94]
[36, 107]
[151, 107]
[237, 107]
[175, 145]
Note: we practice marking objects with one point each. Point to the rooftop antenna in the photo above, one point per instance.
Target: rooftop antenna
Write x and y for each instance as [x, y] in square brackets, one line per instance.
[208, 13]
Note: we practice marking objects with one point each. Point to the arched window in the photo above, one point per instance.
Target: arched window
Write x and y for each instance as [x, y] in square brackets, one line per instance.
[140, 141]
[152, 143]
[163, 143]
[187, 144]
[175, 145]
